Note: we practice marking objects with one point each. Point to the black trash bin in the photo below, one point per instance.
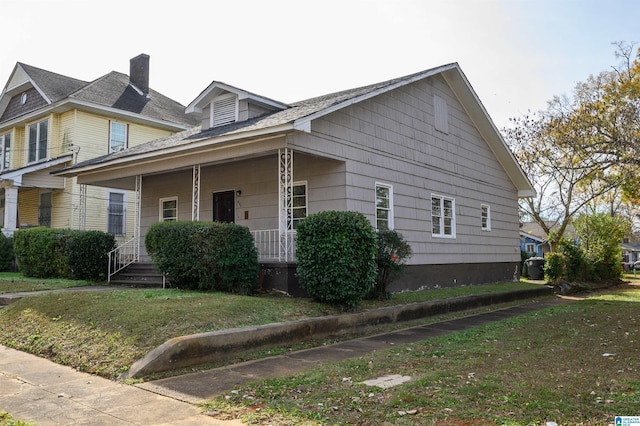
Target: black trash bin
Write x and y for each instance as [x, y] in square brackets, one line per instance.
[535, 268]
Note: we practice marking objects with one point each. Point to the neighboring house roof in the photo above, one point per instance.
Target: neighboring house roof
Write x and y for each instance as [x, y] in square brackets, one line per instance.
[217, 87]
[51, 85]
[534, 229]
[532, 237]
[298, 116]
[633, 247]
[112, 92]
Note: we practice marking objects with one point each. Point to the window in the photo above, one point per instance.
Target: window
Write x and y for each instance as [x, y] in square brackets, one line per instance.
[485, 217]
[530, 248]
[298, 203]
[117, 136]
[384, 207]
[5, 151]
[443, 217]
[38, 136]
[44, 210]
[116, 214]
[168, 209]
[224, 109]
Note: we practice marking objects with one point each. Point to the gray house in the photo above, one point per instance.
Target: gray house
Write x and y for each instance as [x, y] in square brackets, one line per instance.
[418, 154]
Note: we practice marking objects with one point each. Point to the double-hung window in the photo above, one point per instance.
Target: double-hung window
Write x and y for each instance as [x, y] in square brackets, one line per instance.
[38, 137]
[168, 209]
[384, 207]
[485, 217]
[116, 214]
[5, 151]
[117, 136]
[443, 217]
[298, 203]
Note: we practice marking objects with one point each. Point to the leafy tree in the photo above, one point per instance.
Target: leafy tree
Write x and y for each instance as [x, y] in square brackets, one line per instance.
[583, 148]
[600, 236]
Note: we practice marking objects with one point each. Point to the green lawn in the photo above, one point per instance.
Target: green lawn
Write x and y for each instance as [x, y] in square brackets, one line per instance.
[105, 332]
[15, 282]
[574, 364]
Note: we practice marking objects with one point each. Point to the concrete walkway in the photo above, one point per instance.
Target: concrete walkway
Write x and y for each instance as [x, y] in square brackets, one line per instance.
[201, 386]
[36, 390]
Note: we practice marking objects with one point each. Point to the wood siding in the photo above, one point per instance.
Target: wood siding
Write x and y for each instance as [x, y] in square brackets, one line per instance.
[256, 207]
[391, 139]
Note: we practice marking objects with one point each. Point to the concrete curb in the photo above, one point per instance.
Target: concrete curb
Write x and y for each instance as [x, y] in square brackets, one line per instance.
[196, 349]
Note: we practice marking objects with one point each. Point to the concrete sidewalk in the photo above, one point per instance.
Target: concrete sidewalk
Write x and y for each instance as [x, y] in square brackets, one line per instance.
[197, 387]
[36, 390]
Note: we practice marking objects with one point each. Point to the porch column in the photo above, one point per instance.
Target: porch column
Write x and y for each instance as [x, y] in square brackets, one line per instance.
[195, 200]
[10, 210]
[285, 209]
[136, 224]
[82, 208]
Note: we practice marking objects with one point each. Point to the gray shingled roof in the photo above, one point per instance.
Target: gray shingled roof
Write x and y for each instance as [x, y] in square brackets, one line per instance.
[296, 111]
[55, 86]
[111, 90]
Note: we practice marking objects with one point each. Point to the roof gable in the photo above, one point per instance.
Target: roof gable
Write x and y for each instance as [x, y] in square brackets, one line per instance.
[299, 115]
[217, 88]
[112, 92]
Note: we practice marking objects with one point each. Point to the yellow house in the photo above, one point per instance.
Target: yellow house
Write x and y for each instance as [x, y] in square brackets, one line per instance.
[49, 121]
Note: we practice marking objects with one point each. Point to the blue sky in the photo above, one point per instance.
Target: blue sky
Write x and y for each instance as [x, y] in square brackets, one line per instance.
[517, 54]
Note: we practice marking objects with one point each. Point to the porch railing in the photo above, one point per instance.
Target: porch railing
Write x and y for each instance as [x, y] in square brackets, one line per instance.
[271, 245]
[122, 256]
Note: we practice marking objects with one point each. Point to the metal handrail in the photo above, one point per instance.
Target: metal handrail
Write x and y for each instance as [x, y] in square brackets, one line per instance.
[122, 256]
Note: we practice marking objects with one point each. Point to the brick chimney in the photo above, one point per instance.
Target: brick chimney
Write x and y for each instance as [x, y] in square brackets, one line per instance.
[139, 72]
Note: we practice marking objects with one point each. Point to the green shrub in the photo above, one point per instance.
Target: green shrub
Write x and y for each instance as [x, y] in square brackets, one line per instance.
[40, 252]
[336, 254]
[204, 255]
[393, 250]
[7, 256]
[554, 266]
[62, 253]
[86, 253]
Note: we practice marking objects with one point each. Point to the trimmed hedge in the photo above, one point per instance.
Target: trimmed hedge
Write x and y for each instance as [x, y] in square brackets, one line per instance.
[336, 253]
[62, 253]
[209, 256]
[7, 256]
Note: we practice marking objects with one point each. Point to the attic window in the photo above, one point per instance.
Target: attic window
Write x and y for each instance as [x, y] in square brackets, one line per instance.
[23, 98]
[224, 109]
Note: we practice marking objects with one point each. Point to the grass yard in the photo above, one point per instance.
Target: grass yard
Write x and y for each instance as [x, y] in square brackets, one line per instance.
[105, 332]
[15, 282]
[574, 364]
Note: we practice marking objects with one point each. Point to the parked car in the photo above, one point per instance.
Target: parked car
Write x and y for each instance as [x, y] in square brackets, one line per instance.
[636, 265]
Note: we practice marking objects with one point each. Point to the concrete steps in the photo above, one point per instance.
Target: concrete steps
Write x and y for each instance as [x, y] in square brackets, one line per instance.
[142, 274]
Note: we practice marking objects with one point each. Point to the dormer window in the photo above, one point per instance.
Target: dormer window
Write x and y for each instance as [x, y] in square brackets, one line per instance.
[224, 109]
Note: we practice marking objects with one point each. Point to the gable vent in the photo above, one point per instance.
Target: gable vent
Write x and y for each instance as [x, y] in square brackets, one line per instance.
[441, 114]
[224, 110]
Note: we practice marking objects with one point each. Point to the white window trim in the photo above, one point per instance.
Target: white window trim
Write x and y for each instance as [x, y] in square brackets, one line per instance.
[5, 152]
[390, 209]
[306, 203]
[162, 201]
[212, 113]
[126, 135]
[532, 245]
[441, 217]
[37, 148]
[124, 210]
[488, 226]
